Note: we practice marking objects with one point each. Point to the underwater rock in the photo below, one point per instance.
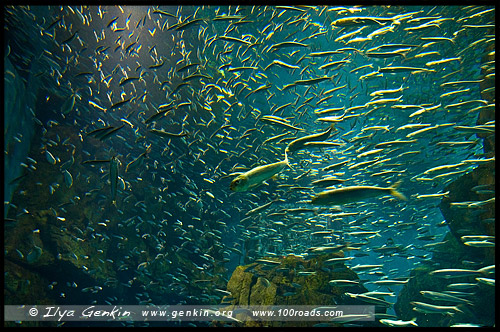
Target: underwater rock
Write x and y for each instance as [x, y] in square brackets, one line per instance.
[240, 283]
[290, 280]
[17, 119]
[23, 286]
[469, 221]
[34, 254]
[454, 254]
[421, 280]
[25, 245]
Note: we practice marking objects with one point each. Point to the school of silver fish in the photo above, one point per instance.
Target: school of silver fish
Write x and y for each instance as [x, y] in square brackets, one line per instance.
[267, 131]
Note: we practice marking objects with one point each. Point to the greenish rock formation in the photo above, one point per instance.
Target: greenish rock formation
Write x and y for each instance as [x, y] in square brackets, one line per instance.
[292, 281]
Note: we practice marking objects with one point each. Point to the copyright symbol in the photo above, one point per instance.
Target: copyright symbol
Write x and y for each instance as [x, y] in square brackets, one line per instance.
[33, 312]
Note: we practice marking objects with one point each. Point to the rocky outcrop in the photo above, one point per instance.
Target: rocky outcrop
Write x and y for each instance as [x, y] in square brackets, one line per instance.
[292, 280]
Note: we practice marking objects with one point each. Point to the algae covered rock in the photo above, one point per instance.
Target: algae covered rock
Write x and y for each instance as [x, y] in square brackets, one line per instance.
[289, 281]
[240, 284]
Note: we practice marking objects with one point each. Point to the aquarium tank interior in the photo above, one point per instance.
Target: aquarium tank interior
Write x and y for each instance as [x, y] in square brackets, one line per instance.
[238, 166]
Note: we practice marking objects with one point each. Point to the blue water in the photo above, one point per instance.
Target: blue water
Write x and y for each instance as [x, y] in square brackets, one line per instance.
[175, 219]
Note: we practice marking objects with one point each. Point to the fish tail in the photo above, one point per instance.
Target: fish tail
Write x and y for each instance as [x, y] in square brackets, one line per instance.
[452, 314]
[396, 193]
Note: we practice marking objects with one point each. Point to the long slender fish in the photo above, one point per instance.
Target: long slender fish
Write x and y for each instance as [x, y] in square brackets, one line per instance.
[299, 143]
[164, 133]
[396, 69]
[432, 308]
[328, 181]
[279, 123]
[110, 132]
[311, 81]
[287, 44]
[322, 144]
[158, 114]
[119, 104]
[354, 194]
[257, 175]
[361, 20]
[95, 161]
[138, 160]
